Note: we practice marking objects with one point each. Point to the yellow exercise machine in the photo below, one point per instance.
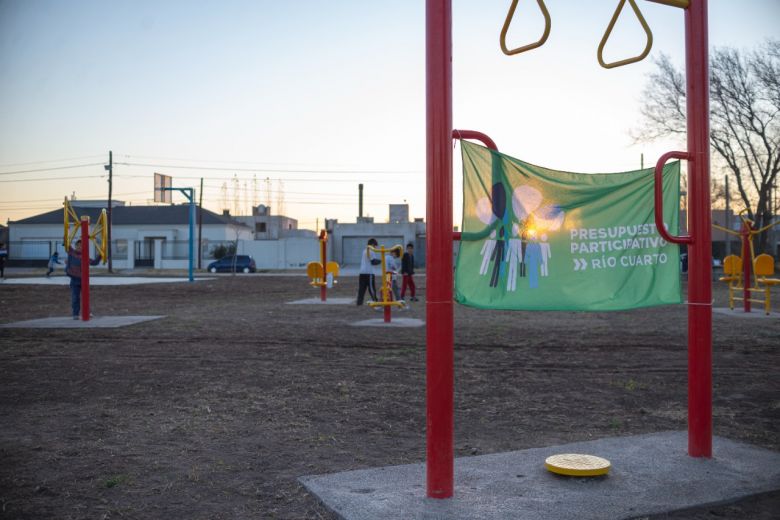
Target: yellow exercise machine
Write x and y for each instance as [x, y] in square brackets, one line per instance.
[319, 271]
[764, 269]
[98, 235]
[732, 275]
[387, 282]
[736, 272]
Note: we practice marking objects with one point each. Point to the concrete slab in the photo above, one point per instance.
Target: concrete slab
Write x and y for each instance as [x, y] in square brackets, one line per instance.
[650, 474]
[97, 280]
[395, 322]
[757, 311]
[97, 322]
[329, 301]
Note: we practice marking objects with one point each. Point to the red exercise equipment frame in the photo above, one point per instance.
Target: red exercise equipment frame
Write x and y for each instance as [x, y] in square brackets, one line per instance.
[439, 215]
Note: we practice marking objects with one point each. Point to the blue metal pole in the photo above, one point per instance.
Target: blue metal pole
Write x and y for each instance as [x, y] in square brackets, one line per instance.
[192, 230]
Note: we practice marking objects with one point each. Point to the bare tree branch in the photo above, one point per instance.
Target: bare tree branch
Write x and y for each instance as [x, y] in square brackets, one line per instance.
[744, 119]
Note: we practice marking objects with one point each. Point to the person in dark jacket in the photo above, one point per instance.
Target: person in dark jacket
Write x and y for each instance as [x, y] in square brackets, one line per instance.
[3, 256]
[407, 270]
[73, 270]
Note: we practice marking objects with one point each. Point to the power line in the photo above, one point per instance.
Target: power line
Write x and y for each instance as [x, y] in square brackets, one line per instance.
[51, 169]
[43, 202]
[223, 161]
[267, 170]
[354, 181]
[50, 179]
[82, 197]
[318, 194]
[7, 165]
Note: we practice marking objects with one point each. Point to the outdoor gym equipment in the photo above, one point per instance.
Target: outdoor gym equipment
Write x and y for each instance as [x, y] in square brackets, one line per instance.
[732, 275]
[72, 224]
[387, 282]
[763, 269]
[577, 465]
[319, 271]
[439, 306]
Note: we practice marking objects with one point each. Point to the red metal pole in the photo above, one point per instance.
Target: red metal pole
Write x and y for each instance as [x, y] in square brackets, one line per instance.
[324, 258]
[700, 251]
[387, 313]
[85, 268]
[747, 260]
[439, 276]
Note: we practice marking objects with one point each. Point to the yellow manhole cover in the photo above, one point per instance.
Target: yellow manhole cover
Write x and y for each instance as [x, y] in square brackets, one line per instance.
[577, 465]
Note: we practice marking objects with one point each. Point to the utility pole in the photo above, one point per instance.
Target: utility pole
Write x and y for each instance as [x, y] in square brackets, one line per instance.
[110, 168]
[641, 161]
[200, 226]
[728, 219]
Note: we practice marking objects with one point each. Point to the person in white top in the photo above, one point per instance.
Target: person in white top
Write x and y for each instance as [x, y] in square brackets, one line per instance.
[369, 260]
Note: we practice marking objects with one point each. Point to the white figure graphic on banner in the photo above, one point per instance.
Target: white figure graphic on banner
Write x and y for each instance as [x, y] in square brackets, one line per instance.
[546, 254]
[514, 257]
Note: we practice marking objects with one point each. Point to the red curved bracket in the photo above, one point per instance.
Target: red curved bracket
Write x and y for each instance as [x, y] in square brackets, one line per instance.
[476, 136]
[659, 198]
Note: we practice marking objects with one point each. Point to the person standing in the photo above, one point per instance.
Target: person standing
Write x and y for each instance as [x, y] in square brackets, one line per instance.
[3, 256]
[407, 271]
[53, 261]
[393, 268]
[368, 261]
[73, 270]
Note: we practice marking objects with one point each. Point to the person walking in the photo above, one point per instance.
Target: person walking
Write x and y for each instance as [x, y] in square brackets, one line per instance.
[407, 271]
[73, 270]
[368, 260]
[54, 260]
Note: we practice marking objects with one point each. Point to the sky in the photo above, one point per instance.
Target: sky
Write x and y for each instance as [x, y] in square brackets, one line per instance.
[302, 101]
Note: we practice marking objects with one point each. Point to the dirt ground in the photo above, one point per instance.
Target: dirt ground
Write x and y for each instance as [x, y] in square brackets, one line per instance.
[214, 411]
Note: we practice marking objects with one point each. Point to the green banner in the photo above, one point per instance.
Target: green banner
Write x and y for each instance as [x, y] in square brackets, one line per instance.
[539, 239]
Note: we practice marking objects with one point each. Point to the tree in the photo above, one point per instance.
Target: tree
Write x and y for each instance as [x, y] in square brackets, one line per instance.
[222, 250]
[237, 228]
[744, 120]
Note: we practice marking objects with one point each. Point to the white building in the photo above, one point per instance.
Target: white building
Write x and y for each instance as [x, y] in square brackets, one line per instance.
[143, 236]
[266, 226]
[347, 241]
[158, 237]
